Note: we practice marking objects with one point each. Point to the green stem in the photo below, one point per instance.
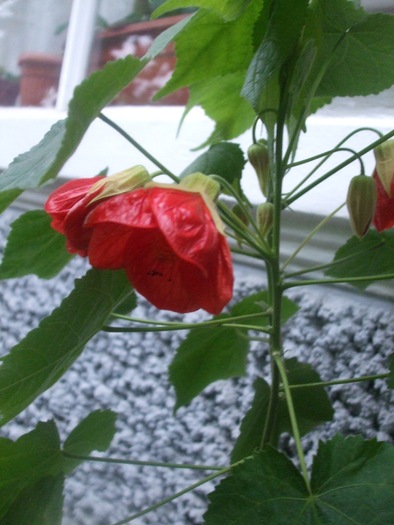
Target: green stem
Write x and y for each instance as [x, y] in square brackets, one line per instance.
[138, 146]
[367, 278]
[186, 326]
[173, 496]
[339, 167]
[312, 233]
[341, 381]
[293, 420]
[142, 463]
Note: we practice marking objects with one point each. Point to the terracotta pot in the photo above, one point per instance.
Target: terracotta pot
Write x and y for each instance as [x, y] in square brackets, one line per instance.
[9, 89]
[39, 79]
[135, 39]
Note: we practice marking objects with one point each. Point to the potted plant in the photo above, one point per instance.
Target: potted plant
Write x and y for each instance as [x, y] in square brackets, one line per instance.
[40, 73]
[133, 35]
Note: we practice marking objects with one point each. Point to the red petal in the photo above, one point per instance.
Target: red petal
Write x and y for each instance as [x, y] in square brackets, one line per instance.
[384, 214]
[64, 198]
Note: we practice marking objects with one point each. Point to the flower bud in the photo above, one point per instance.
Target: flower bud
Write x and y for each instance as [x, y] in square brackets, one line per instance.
[259, 159]
[384, 155]
[361, 203]
[265, 218]
[122, 182]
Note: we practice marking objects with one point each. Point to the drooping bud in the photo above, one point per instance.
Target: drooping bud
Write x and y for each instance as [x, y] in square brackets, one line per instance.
[238, 212]
[201, 183]
[265, 218]
[361, 203]
[122, 182]
[384, 155]
[259, 158]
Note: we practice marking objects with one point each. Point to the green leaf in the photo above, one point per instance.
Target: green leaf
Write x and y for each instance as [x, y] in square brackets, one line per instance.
[44, 161]
[38, 361]
[32, 456]
[227, 9]
[95, 432]
[352, 483]
[34, 247]
[371, 256]
[218, 97]
[258, 303]
[205, 356]
[358, 47]
[29, 170]
[286, 20]
[40, 504]
[312, 407]
[225, 159]
[210, 47]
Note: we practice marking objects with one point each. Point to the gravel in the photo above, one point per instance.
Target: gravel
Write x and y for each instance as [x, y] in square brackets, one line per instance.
[341, 334]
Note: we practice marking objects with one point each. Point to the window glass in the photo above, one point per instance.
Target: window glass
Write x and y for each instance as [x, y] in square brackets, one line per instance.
[125, 29]
[32, 38]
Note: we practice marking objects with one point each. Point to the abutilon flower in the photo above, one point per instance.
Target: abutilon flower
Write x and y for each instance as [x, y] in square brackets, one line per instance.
[168, 238]
[170, 245]
[384, 214]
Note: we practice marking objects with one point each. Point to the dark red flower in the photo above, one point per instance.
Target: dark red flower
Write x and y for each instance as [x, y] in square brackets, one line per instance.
[384, 214]
[169, 244]
[68, 206]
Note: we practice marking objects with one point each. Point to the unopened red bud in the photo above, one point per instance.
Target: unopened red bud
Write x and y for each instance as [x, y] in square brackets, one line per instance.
[265, 218]
[361, 203]
[259, 158]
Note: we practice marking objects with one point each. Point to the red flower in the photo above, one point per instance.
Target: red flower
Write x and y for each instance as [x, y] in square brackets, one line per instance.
[168, 243]
[68, 206]
[384, 214]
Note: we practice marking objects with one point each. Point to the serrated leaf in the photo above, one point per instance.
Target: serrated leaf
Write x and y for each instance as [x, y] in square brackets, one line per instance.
[225, 159]
[33, 247]
[95, 432]
[371, 256]
[218, 97]
[227, 9]
[205, 356]
[352, 483]
[44, 161]
[359, 48]
[258, 303]
[38, 361]
[36, 163]
[40, 504]
[312, 407]
[210, 47]
[286, 20]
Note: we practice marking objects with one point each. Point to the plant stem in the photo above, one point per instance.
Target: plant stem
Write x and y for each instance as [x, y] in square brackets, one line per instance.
[342, 381]
[312, 233]
[350, 280]
[142, 463]
[339, 167]
[293, 420]
[174, 496]
[138, 146]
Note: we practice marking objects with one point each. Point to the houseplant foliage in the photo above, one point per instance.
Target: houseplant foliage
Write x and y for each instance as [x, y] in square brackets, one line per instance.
[287, 59]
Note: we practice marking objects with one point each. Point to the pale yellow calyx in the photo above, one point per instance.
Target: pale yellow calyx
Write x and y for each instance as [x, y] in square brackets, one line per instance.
[202, 184]
[122, 182]
[384, 155]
